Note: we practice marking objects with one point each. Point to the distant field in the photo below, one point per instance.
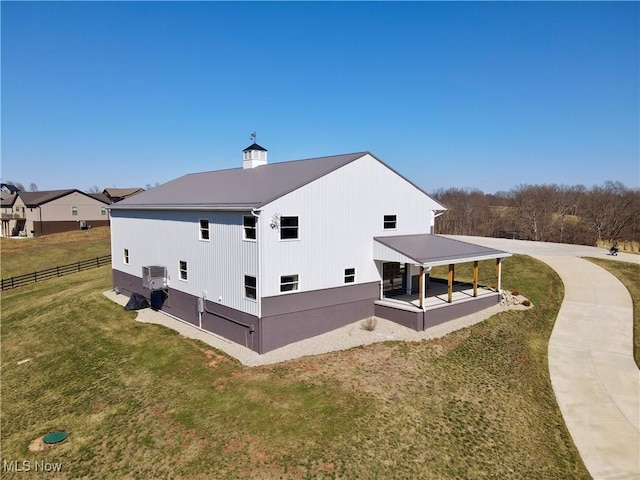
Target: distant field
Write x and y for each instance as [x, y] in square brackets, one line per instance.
[140, 401]
[26, 255]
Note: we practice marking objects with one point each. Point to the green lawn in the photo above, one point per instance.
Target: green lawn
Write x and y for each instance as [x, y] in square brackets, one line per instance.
[629, 275]
[26, 255]
[140, 401]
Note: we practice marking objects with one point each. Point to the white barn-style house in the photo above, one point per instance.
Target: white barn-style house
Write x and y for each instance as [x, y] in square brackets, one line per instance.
[271, 253]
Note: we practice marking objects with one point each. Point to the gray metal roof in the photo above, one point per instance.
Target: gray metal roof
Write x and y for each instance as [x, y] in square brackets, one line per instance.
[236, 188]
[434, 250]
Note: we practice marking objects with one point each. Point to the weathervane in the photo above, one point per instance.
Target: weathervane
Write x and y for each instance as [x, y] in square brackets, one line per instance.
[253, 137]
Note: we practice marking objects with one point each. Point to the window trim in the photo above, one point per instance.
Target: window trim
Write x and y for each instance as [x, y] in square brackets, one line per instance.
[386, 222]
[203, 230]
[254, 229]
[183, 273]
[103, 211]
[125, 256]
[254, 287]
[295, 283]
[74, 210]
[350, 277]
[296, 228]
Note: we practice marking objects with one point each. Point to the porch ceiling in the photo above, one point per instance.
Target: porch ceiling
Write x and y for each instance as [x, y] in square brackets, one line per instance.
[431, 250]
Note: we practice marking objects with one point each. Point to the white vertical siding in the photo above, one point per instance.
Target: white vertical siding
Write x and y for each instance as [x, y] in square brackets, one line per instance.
[216, 267]
[339, 214]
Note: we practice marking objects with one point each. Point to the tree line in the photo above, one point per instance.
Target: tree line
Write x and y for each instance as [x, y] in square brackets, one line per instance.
[549, 213]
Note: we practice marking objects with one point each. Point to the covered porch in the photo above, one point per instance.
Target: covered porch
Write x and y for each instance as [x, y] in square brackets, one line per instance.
[408, 294]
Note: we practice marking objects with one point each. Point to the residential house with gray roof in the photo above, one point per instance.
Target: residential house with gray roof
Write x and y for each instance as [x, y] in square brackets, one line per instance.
[33, 214]
[271, 253]
[117, 194]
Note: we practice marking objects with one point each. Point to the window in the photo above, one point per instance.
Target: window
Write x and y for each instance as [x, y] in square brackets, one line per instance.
[204, 229]
[183, 270]
[74, 210]
[288, 283]
[288, 228]
[125, 256]
[249, 223]
[349, 275]
[103, 211]
[389, 221]
[250, 290]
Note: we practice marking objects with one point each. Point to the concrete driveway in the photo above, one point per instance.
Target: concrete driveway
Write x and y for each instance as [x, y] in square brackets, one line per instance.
[594, 377]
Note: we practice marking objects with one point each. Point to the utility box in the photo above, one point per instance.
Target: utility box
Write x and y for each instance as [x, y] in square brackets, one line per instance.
[154, 277]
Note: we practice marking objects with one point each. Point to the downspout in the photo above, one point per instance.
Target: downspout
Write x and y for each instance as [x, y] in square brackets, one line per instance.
[256, 213]
[433, 220]
[237, 322]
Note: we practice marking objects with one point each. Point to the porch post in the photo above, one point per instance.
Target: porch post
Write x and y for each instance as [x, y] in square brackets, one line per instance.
[407, 272]
[421, 287]
[475, 278]
[450, 283]
[499, 274]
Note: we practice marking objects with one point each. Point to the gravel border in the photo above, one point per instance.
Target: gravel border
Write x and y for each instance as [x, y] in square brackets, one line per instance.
[349, 336]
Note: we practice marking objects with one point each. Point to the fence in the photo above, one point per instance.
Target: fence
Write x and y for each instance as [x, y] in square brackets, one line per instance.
[59, 271]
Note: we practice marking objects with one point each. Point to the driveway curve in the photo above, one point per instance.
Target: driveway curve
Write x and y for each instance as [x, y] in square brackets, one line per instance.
[594, 377]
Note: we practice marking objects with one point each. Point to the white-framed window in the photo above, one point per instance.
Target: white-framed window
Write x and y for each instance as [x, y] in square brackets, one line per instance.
[125, 256]
[390, 221]
[183, 271]
[249, 226]
[349, 275]
[103, 211]
[288, 283]
[74, 210]
[288, 228]
[204, 229]
[250, 287]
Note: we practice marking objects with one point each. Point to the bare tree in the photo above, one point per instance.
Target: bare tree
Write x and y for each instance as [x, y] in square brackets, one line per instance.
[33, 187]
[18, 185]
[468, 212]
[94, 189]
[535, 206]
[610, 208]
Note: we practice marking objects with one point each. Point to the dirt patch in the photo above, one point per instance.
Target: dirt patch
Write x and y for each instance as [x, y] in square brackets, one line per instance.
[37, 445]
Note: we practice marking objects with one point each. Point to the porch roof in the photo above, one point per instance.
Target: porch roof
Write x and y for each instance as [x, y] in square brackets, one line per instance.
[431, 250]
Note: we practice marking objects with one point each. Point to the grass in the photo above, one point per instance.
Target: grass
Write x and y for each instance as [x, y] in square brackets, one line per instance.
[140, 401]
[486, 273]
[629, 274]
[26, 255]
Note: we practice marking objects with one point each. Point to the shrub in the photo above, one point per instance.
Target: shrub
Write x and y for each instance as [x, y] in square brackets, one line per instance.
[526, 303]
[515, 293]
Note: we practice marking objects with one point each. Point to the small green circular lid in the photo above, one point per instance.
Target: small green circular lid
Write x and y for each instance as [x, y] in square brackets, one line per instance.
[54, 437]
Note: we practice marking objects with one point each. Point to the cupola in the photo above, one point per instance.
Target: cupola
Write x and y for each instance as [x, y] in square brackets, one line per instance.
[254, 156]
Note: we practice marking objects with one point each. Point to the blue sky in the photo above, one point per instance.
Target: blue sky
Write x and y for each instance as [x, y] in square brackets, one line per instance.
[453, 94]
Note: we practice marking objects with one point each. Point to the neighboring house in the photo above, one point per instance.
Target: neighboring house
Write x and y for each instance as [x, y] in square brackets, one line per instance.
[6, 211]
[117, 194]
[8, 188]
[269, 254]
[33, 214]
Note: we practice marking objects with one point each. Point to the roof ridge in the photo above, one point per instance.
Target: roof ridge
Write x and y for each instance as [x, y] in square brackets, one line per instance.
[280, 163]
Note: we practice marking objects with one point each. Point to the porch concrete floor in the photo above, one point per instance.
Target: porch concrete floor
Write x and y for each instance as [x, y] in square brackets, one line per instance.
[436, 297]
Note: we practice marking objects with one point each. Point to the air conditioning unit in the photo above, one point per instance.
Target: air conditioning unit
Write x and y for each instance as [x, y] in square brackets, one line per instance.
[154, 277]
